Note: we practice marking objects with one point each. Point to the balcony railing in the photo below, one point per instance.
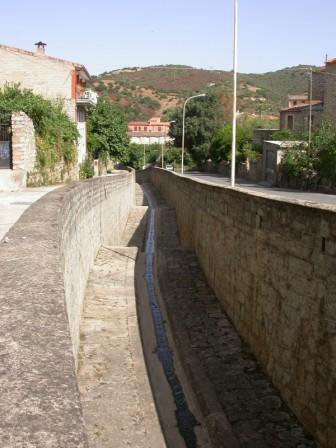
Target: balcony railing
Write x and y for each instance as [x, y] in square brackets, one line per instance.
[87, 98]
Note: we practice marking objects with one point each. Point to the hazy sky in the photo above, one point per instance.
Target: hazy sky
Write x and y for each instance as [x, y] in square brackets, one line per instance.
[110, 34]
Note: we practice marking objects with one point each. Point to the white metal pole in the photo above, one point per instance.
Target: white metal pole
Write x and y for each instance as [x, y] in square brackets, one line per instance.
[144, 157]
[310, 108]
[162, 161]
[183, 130]
[234, 120]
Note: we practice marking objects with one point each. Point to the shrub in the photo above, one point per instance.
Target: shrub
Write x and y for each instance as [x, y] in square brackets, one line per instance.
[86, 169]
[283, 135]
[56, 133]
[221, 144]
[324, 143]
[296, 162]
[316, 163]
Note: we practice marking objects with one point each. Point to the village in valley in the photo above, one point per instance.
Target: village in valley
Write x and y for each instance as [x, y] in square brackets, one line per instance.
[167, 226]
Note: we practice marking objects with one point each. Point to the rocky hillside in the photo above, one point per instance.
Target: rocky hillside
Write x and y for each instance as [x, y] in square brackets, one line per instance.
[148, 91]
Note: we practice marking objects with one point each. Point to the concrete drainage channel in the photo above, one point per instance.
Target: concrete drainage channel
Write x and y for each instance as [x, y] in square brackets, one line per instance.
[186, 421]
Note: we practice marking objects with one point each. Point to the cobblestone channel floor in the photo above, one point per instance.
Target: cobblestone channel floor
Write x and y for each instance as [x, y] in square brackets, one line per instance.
[118, 406]
[258, 416]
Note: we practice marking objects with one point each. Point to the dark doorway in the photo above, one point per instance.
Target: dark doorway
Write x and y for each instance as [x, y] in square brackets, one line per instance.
[5, 146]
[290, 122]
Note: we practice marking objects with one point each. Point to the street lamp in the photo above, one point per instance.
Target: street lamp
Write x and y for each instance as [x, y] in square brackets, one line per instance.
[235, 70]
[310, 108]
[162, 147]
[162, 155]
[183, 126]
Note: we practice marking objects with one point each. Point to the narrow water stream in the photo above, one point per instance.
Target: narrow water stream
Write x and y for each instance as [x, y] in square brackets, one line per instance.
[186, 421]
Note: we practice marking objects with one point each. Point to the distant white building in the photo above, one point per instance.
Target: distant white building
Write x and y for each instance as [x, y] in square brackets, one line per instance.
[149, 132]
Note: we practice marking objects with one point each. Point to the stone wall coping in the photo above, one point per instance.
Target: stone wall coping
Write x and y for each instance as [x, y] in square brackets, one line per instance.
[39, 401]
[250, 193]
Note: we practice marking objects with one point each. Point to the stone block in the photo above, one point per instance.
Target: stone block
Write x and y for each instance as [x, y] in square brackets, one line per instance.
[276, 282]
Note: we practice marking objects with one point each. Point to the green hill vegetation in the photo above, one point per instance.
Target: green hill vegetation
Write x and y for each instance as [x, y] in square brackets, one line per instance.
[148, 91]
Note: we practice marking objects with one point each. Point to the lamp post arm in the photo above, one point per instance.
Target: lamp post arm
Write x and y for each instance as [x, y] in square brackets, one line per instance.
[183, 127]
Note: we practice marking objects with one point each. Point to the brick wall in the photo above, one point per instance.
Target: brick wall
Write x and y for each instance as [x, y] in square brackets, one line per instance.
[43, 271]
[272, 265]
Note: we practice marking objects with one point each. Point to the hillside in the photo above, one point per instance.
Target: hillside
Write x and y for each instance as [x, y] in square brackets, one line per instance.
[148, 91]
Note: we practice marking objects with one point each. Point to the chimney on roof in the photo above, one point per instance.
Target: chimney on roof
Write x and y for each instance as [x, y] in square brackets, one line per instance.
[40, 47]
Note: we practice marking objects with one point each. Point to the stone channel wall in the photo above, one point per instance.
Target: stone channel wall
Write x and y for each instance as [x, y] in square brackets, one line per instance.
[44, 264]
[272, 265]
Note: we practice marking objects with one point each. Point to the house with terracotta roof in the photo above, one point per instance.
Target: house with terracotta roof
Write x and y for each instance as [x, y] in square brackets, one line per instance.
[296, 118]
[321, 105]
[54, 79]
[149, 132]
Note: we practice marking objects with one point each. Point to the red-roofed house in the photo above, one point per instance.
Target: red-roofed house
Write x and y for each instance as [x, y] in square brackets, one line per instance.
[296, 118]
[322, 104]
[149, 132]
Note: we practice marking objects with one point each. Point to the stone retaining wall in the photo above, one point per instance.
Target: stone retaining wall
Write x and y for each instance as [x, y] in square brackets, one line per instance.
[272, 265]
[23, 142]
[44, 264]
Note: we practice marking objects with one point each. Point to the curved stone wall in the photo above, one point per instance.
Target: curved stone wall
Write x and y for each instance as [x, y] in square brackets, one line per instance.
[44, 264]
[272, 265]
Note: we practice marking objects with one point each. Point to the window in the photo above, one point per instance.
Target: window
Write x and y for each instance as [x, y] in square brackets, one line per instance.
[290, 122]
[159, 128]
[81, 116]
[145, 128]
[135, 128]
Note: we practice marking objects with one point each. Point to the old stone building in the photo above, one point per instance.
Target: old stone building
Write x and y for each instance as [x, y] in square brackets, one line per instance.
[321, 105]
[296, 118]
[54, 79]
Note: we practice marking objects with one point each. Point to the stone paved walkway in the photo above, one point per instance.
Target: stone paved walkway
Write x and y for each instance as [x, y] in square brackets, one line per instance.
[118, 406]
[258, 416]
[14, 203]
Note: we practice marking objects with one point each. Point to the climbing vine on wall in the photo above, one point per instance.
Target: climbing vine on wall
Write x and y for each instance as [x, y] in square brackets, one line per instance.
[56, 133]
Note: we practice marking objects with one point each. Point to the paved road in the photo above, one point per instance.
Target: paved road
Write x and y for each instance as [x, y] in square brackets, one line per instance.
[217, 179]
[14, 203]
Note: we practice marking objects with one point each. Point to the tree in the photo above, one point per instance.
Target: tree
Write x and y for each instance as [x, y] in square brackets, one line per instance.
[324, 142]
[135, 155]
[221, 143]
[107, 131]
[200, 125]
